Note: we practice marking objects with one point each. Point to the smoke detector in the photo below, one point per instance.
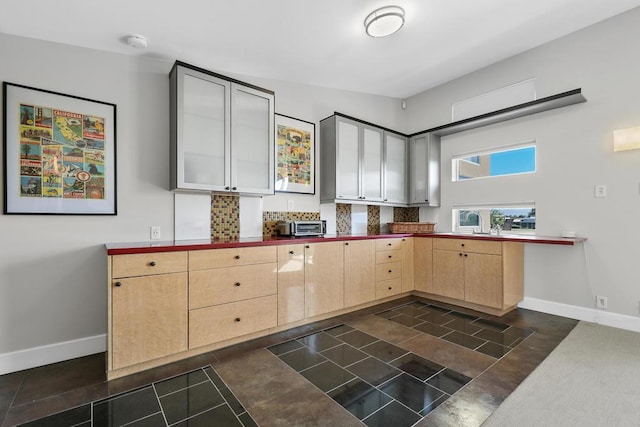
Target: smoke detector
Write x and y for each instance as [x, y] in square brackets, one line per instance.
[138, 41]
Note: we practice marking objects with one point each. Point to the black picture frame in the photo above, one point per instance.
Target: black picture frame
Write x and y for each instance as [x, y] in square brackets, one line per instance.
[295, 141]
[59, 153]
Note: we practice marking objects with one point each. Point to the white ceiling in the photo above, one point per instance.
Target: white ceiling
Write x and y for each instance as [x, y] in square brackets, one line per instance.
[318, 42]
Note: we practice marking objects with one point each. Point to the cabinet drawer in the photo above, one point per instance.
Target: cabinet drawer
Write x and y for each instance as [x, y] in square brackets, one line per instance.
[391, 270]
[216, 258]
[147, 264]
[223, 285]
[221, 322]
[388, 244]
[383, 257]
[387, 288]
[469, 245]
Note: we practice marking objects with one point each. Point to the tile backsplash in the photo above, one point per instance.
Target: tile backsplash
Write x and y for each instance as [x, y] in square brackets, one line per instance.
[373, 219]
[406, 214]
[225, 216]
[270, 219]
[343, 218]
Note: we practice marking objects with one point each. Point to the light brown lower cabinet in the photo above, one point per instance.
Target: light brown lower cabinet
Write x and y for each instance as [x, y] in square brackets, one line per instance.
[323, 278]
[482, 273]
[291, 305]
[165, 306]
[359, 272]
[148, 318]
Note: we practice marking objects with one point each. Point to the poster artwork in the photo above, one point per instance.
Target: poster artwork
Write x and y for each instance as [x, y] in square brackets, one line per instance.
[294, 155]
[61, 154]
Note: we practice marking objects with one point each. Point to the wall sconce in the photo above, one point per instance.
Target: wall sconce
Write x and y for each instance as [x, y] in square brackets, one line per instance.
[626, 139]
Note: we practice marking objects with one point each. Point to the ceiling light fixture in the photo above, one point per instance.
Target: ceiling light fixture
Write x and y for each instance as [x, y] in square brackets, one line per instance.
[384, 21]
[138, 41]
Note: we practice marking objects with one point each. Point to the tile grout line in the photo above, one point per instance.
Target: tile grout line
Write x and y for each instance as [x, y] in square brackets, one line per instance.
[164, 416]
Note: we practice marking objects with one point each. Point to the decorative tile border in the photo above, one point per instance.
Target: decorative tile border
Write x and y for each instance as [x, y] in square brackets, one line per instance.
[343, 218]
[373, 219]
[225, 216]
[270, 219]
[406, 214]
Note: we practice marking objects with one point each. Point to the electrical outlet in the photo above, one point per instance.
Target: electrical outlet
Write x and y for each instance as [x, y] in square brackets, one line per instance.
[289, 205]
[601, 302]
[155, 232]
[600, 191]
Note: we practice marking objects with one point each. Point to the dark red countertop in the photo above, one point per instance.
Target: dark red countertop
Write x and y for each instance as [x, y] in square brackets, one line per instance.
[190, 245]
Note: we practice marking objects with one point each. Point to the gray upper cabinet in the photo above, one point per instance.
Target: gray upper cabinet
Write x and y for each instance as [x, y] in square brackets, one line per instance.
[222, 136]
[424, 182]
[351, 161]
[396, 166]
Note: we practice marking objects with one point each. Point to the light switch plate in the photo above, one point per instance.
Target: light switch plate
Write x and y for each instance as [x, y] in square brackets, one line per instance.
[600, 191]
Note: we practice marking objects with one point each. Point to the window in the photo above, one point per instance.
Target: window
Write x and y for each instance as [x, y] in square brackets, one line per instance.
[499, 162]
[512, 219]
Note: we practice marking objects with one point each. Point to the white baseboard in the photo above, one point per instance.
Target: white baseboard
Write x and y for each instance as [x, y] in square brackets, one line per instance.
[606, 318]
[58, 352]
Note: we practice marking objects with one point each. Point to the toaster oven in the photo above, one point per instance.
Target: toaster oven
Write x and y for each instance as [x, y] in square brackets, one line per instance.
[301, 228]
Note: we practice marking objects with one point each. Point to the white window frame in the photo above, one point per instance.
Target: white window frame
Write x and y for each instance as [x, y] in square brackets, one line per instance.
[485, 213]
[457, 158]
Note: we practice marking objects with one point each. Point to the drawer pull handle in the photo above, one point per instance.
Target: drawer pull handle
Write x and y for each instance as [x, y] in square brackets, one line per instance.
[390, 288]
[462, 244]
[118, 284]
[237, 319]
[389, 271]
[291, 252]
[389, 256]
[346, 244]
[237, 257]
[152, 263]
[237, 284]
[460, 254]
[388, 244]
[465, 254]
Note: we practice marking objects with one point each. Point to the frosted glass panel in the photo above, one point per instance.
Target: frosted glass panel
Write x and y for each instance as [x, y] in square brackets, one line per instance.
[372, 164]
[396, 169]
[203, 131]
[347, 160]
[251, 141]
[419, 169]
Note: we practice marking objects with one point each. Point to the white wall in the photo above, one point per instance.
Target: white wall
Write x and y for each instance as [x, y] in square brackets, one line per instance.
[574, 149]
[53, 268]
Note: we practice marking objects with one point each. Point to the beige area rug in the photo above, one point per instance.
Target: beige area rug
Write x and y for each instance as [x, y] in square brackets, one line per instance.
[591, 379]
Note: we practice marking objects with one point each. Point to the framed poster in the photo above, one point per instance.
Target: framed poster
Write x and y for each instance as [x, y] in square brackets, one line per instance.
[59, 153]
[295, 155]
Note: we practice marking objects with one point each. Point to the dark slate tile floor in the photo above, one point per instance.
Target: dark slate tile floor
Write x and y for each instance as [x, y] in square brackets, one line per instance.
[378, 383]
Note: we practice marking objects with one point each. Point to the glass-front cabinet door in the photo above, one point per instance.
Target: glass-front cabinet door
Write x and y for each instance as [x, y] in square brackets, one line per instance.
[348, 160]
[371, 164]
[202, 132]
[396, 166]
[252, 151]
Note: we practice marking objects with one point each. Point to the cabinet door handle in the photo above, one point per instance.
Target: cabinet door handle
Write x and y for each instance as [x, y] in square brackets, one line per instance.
[426, 200]
[237, 319]
[118, 284]
[389, 287]
[385, 200]
[290, 252]
[152, 263]
[389, 271]
[307, 246]
[389, 256]
[237, 257]
[237, 284]
[465, 254]
[234, 188]
[346, 243]
[460, 254]
[226, 188]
